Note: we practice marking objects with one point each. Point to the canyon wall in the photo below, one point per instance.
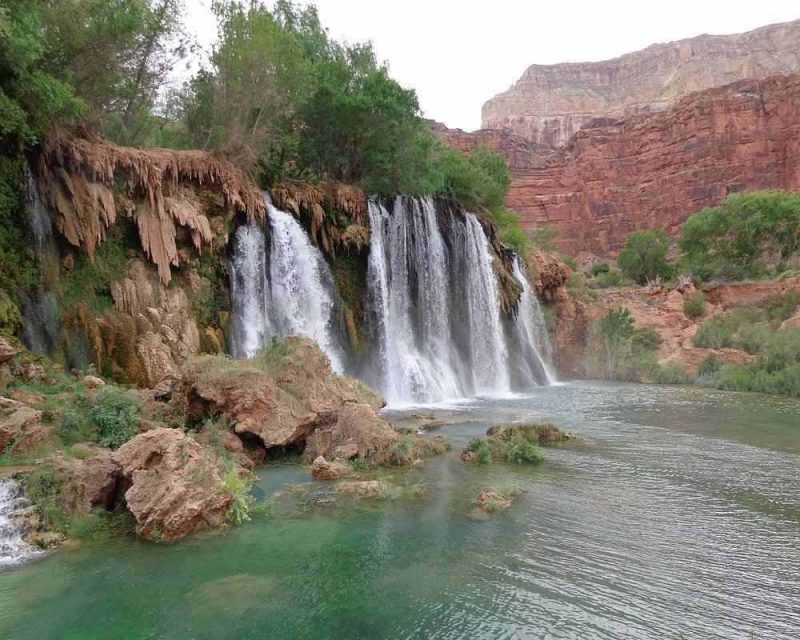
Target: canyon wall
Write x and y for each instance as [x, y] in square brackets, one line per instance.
[549, 103]
[654, 170]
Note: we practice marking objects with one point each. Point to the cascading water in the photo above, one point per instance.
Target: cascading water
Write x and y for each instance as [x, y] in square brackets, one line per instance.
[436, 324]
[531, 352]
[281, 287]
[39, 308]
[13, 549]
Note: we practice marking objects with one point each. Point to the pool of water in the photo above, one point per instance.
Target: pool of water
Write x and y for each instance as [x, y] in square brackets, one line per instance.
[677, 515]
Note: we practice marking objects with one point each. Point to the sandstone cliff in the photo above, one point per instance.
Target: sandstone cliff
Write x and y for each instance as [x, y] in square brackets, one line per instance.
[549, 103]
[654, 170]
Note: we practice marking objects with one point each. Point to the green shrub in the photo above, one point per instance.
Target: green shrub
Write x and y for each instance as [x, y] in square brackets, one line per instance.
[671, 373]
[598, 267]
[519, 450]
[401, 451]
[708, 368]
[644, 256]
[646, 339]
[115, 415]
[733, 239]
[752, 337]
[43, 489]
[715, 333]
[480, 447]
[694, 305]
[781, 307]
[243, 505]
[611, 278]
[75, 424]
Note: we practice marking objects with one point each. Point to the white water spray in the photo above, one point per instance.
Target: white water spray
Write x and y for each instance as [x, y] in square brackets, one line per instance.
[13, 549]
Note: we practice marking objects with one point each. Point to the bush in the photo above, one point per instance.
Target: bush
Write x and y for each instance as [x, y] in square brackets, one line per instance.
[598, 267]
[782, 307]
[611, 278]
[644, 256]
[646, 339]
[708, 368]
[714, 334]
[115, 415]
[43, 489]
[243, 505]
[480, 447]
[731, 240]
[672, 373]
[520, 450]
[694, 305]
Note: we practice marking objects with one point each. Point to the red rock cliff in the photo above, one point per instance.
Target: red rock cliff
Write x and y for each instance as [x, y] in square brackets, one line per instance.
[654, 170]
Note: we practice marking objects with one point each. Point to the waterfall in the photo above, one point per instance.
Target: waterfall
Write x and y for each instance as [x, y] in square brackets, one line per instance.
[13, 549]
[532, 352]
[39, 307]
[436, 326]
[410, 306]
[281, 286]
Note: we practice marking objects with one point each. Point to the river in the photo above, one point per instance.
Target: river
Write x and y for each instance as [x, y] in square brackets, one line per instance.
[676, 515]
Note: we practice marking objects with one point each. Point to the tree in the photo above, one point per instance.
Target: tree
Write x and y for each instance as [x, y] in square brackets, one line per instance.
[644, 256]
[731, 240]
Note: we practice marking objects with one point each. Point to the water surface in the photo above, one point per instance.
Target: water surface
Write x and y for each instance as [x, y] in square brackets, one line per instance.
[678, 516]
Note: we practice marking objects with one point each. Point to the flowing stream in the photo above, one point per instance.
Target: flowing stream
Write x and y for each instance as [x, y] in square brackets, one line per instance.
[13, 549]
[677, 515]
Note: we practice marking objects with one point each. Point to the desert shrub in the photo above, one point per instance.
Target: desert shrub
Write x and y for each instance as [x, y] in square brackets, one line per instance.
[752, 337]
[598, 267]
[646, 338]
[115, 415]
[612, 278]
[715, 333]
[74, 423]
[694, 305]
[781, 307]
[672, 373]
[708, 368]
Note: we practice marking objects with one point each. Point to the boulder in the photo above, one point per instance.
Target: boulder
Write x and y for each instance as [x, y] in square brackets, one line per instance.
[20, 426]
[7, 349]
[175, 485]
[321, 469]
[93, 382]
[88, 482]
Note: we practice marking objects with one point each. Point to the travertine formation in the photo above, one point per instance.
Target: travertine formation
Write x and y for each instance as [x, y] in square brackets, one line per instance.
[549, 103]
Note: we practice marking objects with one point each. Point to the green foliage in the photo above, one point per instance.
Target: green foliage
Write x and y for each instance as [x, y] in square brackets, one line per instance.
[401, 451]
[780, 307]
[17, 261]
[10, 318]
[544, 238]
[243, 506]
[598, 267]
[733, 239]
[521, 450]
[645, 339]
[74, 424]
[694, 305]
[644, 256]
[618, 351]
[88, 282]
[115, 415]
[708, 368]
[480, 447]
[672, 373]
[43, 489]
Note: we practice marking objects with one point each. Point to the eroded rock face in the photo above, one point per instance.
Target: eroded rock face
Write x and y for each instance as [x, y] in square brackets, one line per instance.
[549, 103]
[280, 403]
[321, 469]
[21, 428]
[176, 486]
[656, 169]
[89, 482]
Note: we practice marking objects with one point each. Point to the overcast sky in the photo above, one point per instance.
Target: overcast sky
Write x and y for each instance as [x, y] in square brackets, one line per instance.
[457, 54]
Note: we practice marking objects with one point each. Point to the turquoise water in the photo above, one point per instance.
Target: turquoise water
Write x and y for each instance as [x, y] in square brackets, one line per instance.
[677, 516]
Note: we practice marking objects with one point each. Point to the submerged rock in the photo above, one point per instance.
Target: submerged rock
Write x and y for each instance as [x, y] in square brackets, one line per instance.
[175, 485]
[321, 469]
[362, 488]
[491, 501]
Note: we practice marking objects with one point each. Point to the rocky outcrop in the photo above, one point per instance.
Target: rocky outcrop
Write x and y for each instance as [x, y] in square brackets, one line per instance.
[284, 396]
[87, 482]
[549, 103]
[175, 486]
[21, 427]
[654, 170]
[148, 335]
[79, 180]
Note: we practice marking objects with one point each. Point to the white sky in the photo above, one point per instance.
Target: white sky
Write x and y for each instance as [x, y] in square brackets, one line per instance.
[458, 54]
